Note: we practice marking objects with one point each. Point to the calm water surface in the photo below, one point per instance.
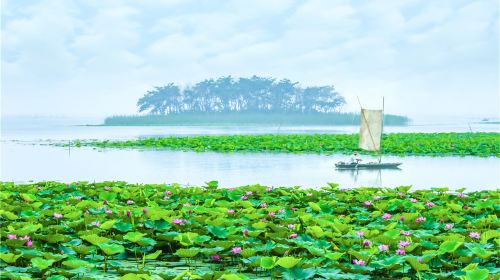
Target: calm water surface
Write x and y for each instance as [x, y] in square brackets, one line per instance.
[26, 160]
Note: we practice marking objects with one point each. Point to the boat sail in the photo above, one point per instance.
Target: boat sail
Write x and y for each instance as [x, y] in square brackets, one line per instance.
[370, 139]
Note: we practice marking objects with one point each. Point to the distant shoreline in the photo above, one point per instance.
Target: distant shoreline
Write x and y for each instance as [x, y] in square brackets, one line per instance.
[247, 119]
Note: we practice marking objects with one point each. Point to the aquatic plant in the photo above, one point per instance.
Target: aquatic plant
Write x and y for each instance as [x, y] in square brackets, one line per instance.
[433, 144]
[324, 233]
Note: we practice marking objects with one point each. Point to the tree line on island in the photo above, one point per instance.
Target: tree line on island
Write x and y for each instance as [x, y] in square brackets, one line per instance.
[250, 95]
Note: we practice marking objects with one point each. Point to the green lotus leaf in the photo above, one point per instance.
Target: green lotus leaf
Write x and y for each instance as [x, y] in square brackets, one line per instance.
[73, 215]
[393, 234]
[123, 226]
[187, 238]
[334, 255]
[259, 225]
[187, 253]
[77, 263]
[133, 276]
[316, 231]
[234, 277]
[153, 256]
[288, 262]
[8, 215]
[41, 263]
[219, 232]
[477, 274]
[111, 248]
[107, 224]
[146, 242]
[449, 247]
[56, 238]
[247, 253]
[55, 257]
[82, 249]
[9, 257]
[201, 239]
[314, 206]
[94, 239]
[134, 236]
[109, 196]
[489, 234]
[480, 252]
[417, 265]
[28, 197]
[56, 277]
[298, 273]
[268, 262]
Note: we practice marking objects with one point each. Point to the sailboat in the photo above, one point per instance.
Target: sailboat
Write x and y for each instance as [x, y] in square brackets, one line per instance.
[370, 137]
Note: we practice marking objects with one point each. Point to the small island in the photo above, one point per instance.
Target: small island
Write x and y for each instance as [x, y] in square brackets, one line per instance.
[243, 101]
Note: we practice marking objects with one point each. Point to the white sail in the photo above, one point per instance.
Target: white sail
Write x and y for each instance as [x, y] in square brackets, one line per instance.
[370, 130]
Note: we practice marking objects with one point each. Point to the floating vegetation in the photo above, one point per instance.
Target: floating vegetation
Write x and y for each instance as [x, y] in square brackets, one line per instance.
[433, 144]
[87, 230]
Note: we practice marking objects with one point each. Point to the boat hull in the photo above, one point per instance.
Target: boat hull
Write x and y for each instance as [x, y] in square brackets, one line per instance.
[373, 165]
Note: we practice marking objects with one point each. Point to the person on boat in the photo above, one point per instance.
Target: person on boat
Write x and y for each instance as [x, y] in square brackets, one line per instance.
[355, 157]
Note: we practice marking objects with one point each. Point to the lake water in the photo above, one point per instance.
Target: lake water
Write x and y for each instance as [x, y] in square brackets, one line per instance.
[28, 160]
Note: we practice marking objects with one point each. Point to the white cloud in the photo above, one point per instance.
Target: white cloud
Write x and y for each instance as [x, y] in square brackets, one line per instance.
[68, 57]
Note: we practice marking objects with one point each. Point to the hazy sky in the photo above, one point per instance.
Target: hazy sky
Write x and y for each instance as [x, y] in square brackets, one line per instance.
[96, 58]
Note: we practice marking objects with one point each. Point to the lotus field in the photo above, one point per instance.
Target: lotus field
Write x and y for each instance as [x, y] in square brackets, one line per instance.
[402, 144]
[87, 230]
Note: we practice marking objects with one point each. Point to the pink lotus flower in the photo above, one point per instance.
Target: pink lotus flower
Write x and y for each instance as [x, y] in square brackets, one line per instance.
[405, 233]
[106, 188]
[386, 216]
[291, 226]
[269, 190]
[249, 193]
[105, 202]
[460, 195]
[166, 197]
[263, 205]
[29, 243]
[245, 231]
[293, 209]
[129, 213]
[377, 198]
[190, 211]
[26, 237]
[272, 214]
[448, 226]
[400, 252]
[413, 200]
[475, 235]
[244, 197]
[129, 202]
[176, 221]
[96, 223]
[215, 257]
[360, 234]
[466, 207]
[236, 250]
[358, 262]
[108, 211]
[11, 236]
[281, 211]
[404, 243]
[309, 194]
[402, 218]
[429, 204]
[367, 203]
[144, 210]
[293, 235]
[78, 197]
[230, 211]
[383, 247]
[58, 216]
[420, 219]
[419, 260]
[231, 188]
[366, 242]
[167, 192]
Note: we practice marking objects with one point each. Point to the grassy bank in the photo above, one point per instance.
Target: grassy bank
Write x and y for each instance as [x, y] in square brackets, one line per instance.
[246, 118]
[53, 230]
[434, 144]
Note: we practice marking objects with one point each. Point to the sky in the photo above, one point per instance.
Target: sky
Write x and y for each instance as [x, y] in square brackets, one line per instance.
[96, 58]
